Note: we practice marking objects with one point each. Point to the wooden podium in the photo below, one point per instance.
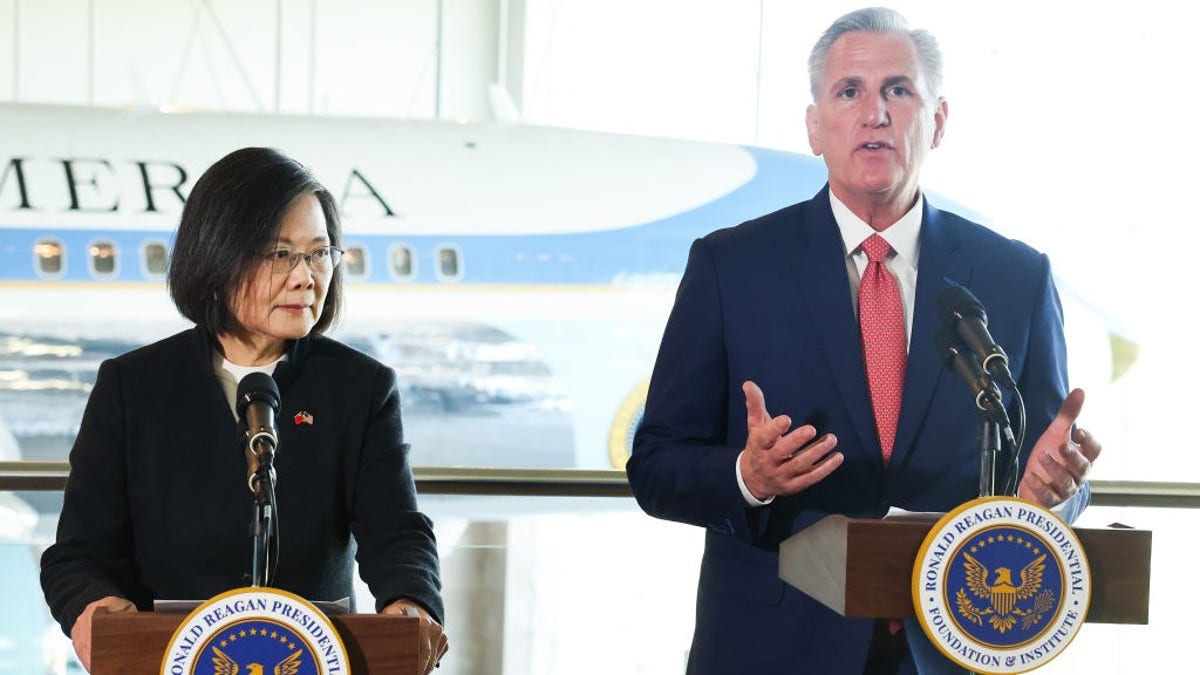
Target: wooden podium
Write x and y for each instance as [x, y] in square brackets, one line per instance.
[134, 643]
[863, 568]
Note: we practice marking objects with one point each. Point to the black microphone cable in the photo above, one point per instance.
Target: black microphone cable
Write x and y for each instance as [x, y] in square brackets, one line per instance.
[966, 317]
[1012, 475]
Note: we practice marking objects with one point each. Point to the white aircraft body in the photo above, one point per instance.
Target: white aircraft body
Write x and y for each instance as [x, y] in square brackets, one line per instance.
[517, 278]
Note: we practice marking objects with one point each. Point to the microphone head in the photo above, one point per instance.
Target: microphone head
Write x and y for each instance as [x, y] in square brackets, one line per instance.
[257, 387]
[956, 302]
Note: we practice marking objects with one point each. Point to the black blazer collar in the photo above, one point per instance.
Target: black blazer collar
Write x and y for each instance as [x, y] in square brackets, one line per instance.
[203, 344]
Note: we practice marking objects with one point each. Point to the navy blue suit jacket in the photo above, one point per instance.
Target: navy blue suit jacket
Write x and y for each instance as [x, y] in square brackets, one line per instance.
[769, 301]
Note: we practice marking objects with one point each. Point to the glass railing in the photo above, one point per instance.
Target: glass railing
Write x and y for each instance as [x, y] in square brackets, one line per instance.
[559, 572]
[52, 476]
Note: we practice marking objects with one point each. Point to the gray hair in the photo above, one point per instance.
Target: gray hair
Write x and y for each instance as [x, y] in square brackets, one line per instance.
[884, 21]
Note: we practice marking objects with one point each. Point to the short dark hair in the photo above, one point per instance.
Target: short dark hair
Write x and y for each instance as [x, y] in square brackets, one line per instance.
[232, 216]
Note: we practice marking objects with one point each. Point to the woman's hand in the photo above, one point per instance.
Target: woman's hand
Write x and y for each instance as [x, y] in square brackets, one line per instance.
[432, 643]
[81, 632]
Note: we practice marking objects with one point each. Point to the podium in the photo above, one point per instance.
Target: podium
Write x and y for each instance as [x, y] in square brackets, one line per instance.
[129, 643]
[862, 568]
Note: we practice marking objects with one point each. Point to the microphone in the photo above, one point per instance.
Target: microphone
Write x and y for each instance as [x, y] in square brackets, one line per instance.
[960, 309]
[257, 405]
[966, 364]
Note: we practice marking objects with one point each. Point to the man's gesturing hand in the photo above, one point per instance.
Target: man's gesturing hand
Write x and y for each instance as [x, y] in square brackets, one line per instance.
[778, 462]
[1060, 460]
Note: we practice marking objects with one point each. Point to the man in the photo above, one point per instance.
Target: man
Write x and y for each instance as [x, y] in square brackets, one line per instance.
[812, 310]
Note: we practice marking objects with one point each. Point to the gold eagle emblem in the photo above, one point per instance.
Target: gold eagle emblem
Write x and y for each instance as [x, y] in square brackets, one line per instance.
[1003, 596]
[224, 665]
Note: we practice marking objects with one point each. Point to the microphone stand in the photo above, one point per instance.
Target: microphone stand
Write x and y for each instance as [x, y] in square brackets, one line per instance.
[263, 527]
[989, 447]
[992, 434]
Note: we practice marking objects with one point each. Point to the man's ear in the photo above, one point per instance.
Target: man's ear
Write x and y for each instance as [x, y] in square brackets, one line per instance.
[813, 126]
[939, 121]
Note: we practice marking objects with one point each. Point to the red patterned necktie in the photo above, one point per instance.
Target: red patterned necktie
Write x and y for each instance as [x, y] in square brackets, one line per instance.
[881, 321]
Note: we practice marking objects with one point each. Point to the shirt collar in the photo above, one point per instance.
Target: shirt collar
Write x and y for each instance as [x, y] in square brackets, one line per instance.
[903, 235]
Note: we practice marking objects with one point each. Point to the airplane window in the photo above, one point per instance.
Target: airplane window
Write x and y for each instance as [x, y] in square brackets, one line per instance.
[103, 257]
[447, 263]
[355, 261]
[403, 265]
[154, 255]
[49, 256]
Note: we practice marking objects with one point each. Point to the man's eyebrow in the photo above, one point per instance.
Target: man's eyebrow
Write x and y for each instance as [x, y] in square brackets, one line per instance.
[899, 79]
[850, 81]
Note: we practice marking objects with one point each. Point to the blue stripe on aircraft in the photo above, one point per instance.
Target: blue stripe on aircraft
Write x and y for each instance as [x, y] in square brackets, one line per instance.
[602, 257]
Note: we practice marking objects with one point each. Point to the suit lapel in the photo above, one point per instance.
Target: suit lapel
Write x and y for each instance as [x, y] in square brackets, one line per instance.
[940, 263]
[821, 270]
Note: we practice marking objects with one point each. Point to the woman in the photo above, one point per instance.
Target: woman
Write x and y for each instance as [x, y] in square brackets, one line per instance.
[157, 505]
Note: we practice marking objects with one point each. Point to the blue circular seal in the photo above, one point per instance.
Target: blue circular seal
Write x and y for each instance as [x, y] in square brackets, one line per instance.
[256, 647]
[256, 631]
[1001, 585]
[625, 424]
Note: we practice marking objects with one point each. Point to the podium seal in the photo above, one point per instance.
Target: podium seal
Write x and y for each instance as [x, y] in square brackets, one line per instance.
[1001, 585]
[256, 631]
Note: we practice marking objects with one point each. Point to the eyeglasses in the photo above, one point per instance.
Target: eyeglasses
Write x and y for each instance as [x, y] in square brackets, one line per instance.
[321, 259]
